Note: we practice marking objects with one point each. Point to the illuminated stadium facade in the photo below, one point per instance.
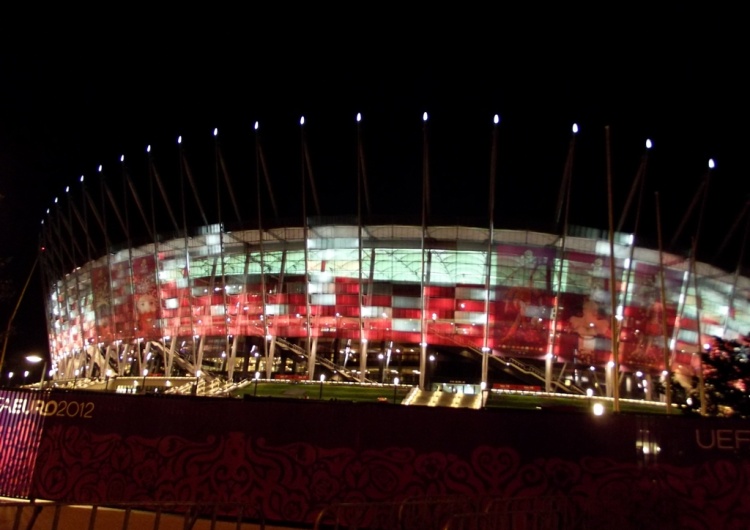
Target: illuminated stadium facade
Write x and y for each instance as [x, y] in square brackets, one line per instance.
[205, 309]
[355, 301]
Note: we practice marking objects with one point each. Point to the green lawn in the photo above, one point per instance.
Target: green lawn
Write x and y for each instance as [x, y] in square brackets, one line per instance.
[374, 393]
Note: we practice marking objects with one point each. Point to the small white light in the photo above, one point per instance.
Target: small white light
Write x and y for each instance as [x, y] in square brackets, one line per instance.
[67, 189]
[424, 116]
[575, 128]
[322, 377]
[47, 211]
[359, 117]
[216, 131]
[55, 200]
[100, 168]
[302, 120]
[148, 148]
[649, 145]
[81, 179]
[122, 158]
[598, 409]
[255, 126]
[496, 119]
[711, 163]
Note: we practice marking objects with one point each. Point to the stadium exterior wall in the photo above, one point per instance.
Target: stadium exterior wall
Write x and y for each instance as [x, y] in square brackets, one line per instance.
[388, 286]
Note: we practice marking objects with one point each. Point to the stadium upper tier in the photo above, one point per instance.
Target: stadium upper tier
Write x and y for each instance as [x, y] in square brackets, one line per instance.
[201, 302]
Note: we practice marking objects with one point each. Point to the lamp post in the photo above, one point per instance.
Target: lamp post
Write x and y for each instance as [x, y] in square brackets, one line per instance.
[35, 359]
[430, 370]
[483, 387]
[395, 388]
[322, 379]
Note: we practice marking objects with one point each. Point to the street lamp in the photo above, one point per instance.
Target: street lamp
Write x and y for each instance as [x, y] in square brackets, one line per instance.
[322, 379]
[395, 388]
[35, 359]
[430, 370]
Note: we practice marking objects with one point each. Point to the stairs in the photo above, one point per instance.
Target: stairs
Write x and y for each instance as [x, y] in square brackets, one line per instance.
[426, 398]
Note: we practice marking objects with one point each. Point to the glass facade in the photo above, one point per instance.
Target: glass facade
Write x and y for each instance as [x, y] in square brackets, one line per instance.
[209, 298]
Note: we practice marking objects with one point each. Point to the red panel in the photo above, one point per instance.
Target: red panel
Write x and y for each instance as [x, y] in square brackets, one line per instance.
[475, 306]
[405, 313]
[434, 304]
[436, 291]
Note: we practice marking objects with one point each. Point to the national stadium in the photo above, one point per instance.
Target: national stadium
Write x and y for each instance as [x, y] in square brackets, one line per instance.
[451, 307]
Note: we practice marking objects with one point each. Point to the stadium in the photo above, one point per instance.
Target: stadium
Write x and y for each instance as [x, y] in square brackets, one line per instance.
[449, 307]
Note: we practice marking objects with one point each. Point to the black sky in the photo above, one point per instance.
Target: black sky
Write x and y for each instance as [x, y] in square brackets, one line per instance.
[78, 91]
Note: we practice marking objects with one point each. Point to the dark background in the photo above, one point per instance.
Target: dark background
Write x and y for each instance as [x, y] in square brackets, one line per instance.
[81, 88]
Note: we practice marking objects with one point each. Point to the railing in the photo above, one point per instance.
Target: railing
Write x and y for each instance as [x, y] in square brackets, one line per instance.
[320, 360]
[48, 515]
[454, 513]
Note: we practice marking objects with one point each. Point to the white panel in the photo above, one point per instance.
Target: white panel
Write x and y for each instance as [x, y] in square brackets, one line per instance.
[406, 324]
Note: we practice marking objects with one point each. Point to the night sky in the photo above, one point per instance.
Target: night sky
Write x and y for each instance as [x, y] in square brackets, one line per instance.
[78, 94]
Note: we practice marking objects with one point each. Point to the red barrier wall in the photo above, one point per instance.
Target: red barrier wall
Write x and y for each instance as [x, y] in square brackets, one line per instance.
[290, 458]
